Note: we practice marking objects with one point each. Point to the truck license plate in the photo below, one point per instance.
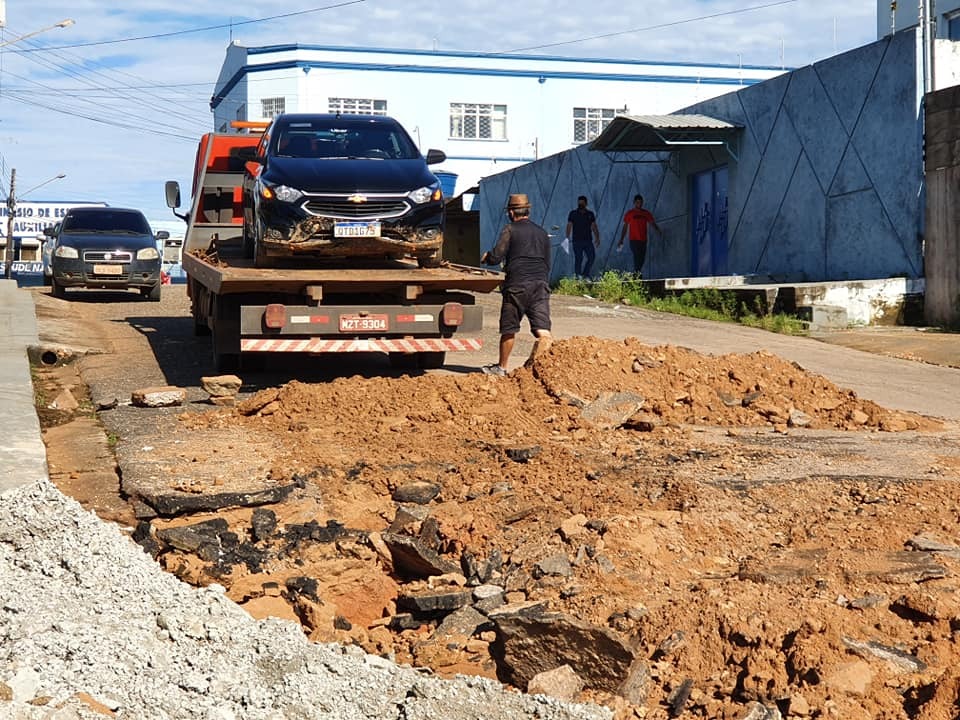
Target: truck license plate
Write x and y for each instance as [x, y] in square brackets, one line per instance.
[363, 323]
[356, 229]
[108, 269]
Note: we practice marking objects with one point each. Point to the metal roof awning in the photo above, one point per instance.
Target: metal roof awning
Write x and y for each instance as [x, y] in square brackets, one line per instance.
[665, 133]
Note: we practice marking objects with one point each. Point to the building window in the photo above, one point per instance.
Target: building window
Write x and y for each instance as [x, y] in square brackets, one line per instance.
[222, 128]
[953, 26]
[473, 121]
[588, 123]
[242, 112]
[271, 107]
[357, 106]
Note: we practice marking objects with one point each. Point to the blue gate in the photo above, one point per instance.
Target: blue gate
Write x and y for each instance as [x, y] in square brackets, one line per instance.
[708, 203]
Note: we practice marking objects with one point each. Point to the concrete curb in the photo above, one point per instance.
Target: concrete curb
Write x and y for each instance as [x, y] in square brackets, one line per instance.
[23, 457]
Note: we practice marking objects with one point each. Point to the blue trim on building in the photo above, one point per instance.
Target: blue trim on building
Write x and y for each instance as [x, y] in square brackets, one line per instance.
[495, 56]
[453, 70]
[490, 158]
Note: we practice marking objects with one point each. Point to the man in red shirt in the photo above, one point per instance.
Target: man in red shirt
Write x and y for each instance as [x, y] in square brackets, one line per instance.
[635, 221]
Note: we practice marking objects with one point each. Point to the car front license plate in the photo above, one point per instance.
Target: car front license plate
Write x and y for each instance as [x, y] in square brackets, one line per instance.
[363, 323]
[356, 229]
[108, 269]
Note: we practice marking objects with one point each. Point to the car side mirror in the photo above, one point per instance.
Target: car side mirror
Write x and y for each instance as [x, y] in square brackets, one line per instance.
[435, 156]
[162, 235]
[172, 190]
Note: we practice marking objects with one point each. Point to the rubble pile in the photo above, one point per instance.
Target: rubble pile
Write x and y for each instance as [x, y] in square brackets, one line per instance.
[655, 530]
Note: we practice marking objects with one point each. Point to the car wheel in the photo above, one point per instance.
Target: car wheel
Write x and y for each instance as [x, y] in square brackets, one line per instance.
[152, 293]
[259, 252]
[47, 280]
[56, 289]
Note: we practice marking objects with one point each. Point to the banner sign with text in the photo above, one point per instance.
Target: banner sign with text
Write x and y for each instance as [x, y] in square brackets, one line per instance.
[30, 218]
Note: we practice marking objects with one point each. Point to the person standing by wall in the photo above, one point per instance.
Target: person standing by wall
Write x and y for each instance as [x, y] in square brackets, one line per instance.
[525, 246]
[635, 222]
[581, 222]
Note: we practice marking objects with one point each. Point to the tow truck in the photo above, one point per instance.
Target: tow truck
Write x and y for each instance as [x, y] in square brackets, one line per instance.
[414, 314]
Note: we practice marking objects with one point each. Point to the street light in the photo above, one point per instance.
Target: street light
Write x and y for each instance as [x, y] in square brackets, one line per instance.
[11, 213]
[62, 24]
[61, 176]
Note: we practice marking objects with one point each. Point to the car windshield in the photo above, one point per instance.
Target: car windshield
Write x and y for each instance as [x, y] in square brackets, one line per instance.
[106, 221]
[338, 138]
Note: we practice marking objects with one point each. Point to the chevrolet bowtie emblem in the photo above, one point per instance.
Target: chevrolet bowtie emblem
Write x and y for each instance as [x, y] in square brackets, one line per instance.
[357, 198]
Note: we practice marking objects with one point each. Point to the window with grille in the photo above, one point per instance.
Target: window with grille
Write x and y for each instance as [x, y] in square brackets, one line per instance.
[474, 121]
[357, 106]
[588, 123]
[272, 107]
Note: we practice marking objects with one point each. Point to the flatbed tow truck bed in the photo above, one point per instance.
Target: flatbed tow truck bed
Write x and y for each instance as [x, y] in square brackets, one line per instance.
[238, 275]
[415, 315]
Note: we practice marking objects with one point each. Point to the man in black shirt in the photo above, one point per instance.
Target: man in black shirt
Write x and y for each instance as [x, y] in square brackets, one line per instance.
[525, 246]
[580, 224]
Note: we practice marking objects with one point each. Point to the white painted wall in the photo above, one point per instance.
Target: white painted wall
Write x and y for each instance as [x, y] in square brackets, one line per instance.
[907, 14]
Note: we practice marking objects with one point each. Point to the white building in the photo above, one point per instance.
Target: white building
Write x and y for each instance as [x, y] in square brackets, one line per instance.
[487, 112]
[894, 16]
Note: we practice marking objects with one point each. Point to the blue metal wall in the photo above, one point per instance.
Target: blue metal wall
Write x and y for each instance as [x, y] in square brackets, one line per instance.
[825, 183]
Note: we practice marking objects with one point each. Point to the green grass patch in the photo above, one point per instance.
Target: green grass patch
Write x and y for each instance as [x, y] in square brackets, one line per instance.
[703, 303]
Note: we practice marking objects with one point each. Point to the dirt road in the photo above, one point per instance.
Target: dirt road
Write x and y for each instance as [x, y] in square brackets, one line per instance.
[716, 535]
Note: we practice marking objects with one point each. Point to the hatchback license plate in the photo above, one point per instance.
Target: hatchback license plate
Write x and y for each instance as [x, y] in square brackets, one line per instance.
[108, 269]
[363, 323]
[356, 229]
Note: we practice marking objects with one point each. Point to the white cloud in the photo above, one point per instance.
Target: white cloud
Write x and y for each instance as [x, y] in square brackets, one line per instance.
[60, 108]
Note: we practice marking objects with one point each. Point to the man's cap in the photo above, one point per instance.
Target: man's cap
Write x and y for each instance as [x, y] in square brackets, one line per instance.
[518, 201]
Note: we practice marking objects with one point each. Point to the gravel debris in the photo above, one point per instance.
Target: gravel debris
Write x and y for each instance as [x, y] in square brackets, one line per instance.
[89, 625]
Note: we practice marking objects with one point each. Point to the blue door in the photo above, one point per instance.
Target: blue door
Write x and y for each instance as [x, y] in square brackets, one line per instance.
[708, 203]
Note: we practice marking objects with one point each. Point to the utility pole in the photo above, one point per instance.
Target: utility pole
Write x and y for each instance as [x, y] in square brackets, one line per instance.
[11, 211]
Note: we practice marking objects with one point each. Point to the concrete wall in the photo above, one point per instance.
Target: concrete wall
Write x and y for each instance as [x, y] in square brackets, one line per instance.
[942, 250]
[827, 182]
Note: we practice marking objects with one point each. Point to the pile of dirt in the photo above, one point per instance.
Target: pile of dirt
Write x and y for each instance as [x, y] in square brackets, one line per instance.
[592, 492]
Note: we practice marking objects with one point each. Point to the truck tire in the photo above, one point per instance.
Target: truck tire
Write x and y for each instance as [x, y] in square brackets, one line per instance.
[57, 290]
[431, 360]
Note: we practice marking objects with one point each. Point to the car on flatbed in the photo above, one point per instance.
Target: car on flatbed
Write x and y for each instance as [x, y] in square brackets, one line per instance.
[341, 186]
[105, 247]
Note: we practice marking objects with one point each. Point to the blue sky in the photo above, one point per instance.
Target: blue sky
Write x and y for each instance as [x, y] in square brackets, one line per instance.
[118, 100]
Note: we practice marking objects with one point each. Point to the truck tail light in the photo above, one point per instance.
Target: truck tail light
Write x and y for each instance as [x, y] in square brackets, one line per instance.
[452, 314]
[275, 316]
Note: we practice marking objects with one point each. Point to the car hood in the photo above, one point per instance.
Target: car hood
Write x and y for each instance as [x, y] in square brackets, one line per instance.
[348, 176]
[106, 241]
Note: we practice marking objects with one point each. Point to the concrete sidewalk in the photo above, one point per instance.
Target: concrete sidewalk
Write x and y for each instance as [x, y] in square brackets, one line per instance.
[23, 457]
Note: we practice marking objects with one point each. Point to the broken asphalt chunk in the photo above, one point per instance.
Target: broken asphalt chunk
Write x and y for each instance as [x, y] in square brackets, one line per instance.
[413, 559]
[612, 409]
[531, 641]
[431, 602]
[897, 659]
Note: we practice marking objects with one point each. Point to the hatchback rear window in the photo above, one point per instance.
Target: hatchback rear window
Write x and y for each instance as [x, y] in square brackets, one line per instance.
[106, 221]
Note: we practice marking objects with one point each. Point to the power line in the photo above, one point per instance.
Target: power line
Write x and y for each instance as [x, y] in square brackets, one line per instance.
[650, 27]
[195, 30]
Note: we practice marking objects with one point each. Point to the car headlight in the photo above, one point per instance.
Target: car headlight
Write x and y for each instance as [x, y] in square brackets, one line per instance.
[64, 251]
[148, 253]
[283, 193]
[425, 194]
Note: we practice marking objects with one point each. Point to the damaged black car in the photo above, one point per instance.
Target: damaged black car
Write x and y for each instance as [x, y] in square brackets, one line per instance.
[341, 186]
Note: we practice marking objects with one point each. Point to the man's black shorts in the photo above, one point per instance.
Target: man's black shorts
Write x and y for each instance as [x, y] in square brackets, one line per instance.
[531, 300]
